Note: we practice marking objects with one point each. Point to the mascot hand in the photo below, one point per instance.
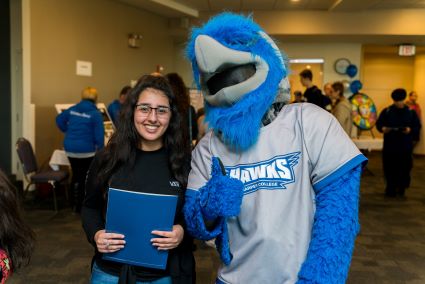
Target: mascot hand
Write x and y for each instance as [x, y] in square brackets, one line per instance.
[222, 195]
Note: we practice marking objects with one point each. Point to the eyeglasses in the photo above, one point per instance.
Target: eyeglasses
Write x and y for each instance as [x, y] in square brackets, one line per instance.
[145, 110]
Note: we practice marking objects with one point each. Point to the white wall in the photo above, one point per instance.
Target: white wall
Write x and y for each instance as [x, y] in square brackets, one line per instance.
[330, 52]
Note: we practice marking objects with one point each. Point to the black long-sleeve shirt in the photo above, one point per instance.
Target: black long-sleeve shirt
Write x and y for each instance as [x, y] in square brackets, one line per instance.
[397, 119]
[150, 174]
[314, 95]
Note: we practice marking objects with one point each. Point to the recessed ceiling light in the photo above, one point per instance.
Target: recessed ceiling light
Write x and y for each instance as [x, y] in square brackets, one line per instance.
[295, 0]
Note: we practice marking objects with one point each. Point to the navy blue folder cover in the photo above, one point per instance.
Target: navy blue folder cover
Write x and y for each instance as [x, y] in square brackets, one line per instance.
[136, 215]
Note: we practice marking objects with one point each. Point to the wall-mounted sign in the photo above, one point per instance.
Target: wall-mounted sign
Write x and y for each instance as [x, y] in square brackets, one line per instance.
[84, 68]
[406, 50]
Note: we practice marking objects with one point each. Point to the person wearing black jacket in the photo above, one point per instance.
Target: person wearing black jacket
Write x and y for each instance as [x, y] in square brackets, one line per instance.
[312, 93]
[400, 126]
[187, 111]
[146, 154]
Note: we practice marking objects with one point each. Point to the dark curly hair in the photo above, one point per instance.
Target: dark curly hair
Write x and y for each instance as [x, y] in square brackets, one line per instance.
[125, 141]
[16, 237]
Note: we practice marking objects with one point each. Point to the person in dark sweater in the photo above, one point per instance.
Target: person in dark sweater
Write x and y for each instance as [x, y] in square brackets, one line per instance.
[312, 93]
[400, 126]
[147, 154]
[186, 110]
[115, 107]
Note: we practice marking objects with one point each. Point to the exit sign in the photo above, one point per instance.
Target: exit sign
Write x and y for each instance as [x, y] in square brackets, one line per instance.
[406, 50]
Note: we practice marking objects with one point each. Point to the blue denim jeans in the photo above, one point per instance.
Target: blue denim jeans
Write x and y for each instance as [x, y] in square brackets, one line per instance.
[98, 276]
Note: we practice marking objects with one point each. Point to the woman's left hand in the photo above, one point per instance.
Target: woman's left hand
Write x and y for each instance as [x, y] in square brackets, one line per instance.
[169, 240]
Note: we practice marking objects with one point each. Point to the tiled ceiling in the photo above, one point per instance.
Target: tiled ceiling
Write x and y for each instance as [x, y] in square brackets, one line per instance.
[211, 6]
[178, 9]
[318, 5]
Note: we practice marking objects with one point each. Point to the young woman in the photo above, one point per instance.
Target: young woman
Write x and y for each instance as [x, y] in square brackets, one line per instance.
[342, 107]
[147, 154]
[16, 237]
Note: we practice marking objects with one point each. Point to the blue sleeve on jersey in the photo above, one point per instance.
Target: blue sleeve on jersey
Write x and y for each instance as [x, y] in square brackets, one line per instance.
[335, 228]
[221, 197]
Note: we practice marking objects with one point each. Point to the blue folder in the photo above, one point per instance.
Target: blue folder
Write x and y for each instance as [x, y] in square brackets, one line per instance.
[136, 215]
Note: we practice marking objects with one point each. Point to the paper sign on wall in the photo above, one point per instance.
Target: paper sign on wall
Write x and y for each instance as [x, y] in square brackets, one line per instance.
[84, 68]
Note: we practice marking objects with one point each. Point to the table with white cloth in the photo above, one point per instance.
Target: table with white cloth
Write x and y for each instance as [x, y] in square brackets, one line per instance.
[58, 158]
[368, 143]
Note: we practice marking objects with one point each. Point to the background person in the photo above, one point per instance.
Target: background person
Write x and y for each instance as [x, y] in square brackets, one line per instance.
[16, 237]
[298, 97]
[115, 107]
[400, 126]
[186, 110]
[312, 93]
[342, 107]
[413, 105]
[202, 125]
[327, 89]
[84, 135]
[146, 154]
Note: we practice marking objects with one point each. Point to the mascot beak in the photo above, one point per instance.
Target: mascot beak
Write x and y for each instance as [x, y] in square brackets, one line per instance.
[227, 74]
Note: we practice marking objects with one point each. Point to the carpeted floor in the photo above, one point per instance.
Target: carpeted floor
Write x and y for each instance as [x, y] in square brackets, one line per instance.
[389, 249]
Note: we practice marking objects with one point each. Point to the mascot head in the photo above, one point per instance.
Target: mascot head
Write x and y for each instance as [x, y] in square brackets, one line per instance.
[241, 73]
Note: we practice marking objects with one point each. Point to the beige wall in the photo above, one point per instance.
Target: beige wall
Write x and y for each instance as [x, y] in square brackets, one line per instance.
[384, 72]
[65, 31]
[182, 64]
[330, 52]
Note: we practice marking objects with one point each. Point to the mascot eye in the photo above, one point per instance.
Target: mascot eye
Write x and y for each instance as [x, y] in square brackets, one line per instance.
[230, 77]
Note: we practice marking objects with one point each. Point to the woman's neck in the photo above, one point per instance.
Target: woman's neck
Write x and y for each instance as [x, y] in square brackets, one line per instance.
[150, 146]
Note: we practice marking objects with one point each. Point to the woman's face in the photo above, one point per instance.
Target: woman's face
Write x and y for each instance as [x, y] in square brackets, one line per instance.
[151, 118]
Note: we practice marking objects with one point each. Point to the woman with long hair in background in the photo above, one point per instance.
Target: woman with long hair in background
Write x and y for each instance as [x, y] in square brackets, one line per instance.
[16, 237]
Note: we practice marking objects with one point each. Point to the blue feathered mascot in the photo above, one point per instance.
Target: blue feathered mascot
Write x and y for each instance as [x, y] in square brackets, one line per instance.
[276, 184]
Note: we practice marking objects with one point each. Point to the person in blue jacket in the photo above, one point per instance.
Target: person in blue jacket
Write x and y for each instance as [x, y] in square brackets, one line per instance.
[114, 108]
[84, 135]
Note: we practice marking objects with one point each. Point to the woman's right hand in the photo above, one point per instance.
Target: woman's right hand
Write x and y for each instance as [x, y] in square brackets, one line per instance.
[108, 242]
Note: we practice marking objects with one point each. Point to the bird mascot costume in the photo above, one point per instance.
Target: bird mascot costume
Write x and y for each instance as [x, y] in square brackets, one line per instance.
[276, 184]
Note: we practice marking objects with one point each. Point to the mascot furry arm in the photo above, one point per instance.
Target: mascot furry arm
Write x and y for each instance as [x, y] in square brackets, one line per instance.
[242, 74]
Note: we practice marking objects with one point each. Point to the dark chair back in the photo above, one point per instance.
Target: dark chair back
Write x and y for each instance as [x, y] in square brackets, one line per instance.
[26, 156]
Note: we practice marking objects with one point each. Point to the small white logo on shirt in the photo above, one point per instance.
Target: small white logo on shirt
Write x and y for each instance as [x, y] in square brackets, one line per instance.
[272, 174]
[85, 115]
[174, 183]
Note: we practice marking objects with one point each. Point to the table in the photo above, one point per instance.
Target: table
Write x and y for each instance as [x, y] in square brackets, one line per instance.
[58, 158]
[368, 143]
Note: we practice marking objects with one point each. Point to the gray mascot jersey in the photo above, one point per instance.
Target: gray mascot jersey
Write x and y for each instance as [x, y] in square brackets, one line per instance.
[303, 148]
